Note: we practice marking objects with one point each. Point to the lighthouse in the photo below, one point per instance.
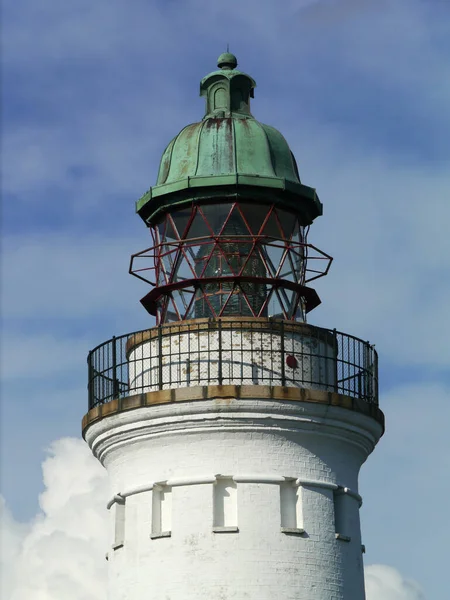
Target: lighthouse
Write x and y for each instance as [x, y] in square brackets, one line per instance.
[233, 430]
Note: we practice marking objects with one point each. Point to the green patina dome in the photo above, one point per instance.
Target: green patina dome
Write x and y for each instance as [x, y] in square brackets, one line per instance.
[227, 146]
[228, 155]
[227, 60]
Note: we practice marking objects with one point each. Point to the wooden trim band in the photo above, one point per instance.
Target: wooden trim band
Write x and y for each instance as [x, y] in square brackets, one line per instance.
[247, 392]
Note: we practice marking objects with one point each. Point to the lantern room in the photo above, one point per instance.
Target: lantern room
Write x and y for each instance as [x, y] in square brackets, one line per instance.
[229, 216]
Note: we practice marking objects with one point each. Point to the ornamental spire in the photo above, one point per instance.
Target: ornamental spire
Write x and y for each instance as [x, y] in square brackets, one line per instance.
[227, 91]
[227, 61]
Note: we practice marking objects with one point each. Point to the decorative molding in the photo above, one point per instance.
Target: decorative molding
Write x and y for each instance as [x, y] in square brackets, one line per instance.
[162, 534]
[232, 414]
[345, 490]
[117, 546]
[245, 478]
[343, 538]
[258, 479]
[139, 489]
[315, 483]
[116, 499]
[231, 529]
[293, 530]
[177, 482]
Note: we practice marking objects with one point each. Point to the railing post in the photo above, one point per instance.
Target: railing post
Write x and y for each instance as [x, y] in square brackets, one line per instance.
[188, 371]
[219, 329]
[160, 364]
[114, 369]
[375, 376]
[90, 382]
[283, 358]
[335, 359]
[367, 371]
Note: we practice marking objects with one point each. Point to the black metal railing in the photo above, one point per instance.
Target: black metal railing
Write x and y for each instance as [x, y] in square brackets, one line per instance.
[233, 351]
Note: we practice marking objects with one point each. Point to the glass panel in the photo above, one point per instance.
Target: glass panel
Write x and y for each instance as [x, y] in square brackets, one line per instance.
[203, 253]
[181, 219]
[255, 242]
[199, 225]
[275, 309]
[215, 215]
[167, 264]
[287, 223]
[254, 215]
[272, 255]
[287, 267]
[256, 294]
[235, 224]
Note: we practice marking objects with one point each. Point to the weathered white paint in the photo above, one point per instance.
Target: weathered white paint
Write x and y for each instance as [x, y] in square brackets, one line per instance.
[290, 510]
[225, 503]
[255, 478]
[250, 357]
[258, 443]
[119, 523]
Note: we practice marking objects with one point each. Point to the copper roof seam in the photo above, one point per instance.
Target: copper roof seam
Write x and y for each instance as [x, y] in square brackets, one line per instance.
[235, 151]
[199, 141]
[173, 142]
[170, 145]
[269, 145]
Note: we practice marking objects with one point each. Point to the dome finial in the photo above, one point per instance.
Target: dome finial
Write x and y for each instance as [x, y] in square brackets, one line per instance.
[227, 60]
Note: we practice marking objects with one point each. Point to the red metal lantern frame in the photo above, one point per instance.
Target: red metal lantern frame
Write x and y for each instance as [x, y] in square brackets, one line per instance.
[174, 270]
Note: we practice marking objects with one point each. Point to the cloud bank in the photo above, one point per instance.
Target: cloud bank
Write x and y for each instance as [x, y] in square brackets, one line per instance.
[386, 583]
[61, 553]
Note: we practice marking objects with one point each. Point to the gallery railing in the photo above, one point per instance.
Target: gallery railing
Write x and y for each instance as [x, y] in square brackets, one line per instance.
[233, 351]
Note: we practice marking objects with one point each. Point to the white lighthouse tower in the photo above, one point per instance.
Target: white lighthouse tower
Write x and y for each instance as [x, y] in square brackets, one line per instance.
[233, 431]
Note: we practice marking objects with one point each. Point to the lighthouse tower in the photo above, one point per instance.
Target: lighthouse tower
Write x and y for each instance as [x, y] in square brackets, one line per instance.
[233, 431]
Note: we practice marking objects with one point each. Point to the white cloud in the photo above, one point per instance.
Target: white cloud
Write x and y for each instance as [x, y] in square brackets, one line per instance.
[12, 535]
[61, 553]
[386, 583]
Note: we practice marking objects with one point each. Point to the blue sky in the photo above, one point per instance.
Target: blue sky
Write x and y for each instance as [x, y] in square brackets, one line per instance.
[92, 93]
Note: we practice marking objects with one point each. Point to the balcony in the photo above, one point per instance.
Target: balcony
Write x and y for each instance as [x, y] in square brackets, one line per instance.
[240, 352]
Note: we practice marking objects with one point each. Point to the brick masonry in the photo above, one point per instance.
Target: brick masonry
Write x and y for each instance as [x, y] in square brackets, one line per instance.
[257, 443]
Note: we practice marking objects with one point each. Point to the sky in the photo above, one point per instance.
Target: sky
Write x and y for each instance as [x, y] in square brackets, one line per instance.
[92, 94]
